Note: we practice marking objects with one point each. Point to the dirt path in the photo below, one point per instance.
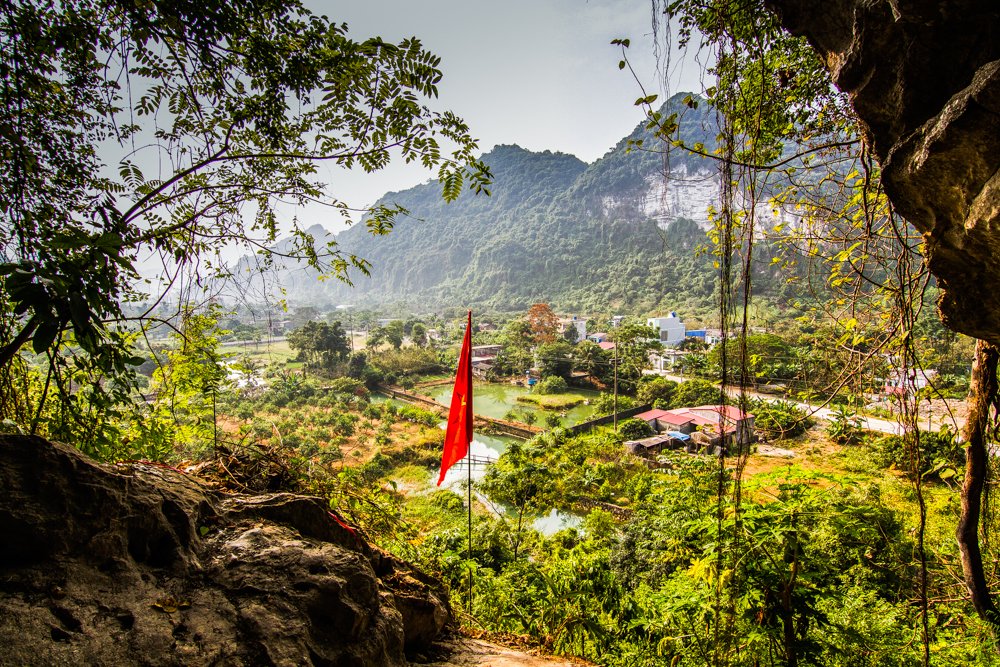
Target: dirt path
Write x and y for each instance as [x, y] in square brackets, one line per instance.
[469, 652]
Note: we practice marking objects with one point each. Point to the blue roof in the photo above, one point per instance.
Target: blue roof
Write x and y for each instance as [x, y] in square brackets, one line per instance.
[678, 435]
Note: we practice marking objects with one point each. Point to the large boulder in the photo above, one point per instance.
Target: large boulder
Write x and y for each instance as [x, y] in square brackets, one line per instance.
[142, 564]
[924, 78]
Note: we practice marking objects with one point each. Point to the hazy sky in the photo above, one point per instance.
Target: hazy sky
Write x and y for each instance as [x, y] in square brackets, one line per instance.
[538, 73]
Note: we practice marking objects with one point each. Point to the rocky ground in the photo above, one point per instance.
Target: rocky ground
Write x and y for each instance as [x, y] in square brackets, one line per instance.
[142, 564]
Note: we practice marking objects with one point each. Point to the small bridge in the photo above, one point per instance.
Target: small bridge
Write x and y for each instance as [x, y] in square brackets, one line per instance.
[474, 461]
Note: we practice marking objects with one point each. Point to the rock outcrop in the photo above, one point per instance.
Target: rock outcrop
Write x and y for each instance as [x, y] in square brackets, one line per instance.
[924, 77]
[142, 564]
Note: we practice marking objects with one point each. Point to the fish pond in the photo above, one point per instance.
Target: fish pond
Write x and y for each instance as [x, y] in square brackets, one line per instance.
[497, 400]
[494, 401]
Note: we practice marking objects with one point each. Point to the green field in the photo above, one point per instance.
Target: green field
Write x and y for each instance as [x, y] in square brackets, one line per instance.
[264, 352]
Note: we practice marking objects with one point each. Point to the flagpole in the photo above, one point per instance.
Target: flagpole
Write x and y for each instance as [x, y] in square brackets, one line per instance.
[458, 434]
[469, 462]
[470, 529]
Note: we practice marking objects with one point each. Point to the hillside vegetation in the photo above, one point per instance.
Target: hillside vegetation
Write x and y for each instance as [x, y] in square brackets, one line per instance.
[582, 237]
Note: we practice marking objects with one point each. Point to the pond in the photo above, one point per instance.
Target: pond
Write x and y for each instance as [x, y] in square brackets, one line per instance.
[495, 400]
[491, 398]
[489, 446]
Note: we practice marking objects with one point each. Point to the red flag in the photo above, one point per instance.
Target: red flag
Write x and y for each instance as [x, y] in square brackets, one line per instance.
[459, 433]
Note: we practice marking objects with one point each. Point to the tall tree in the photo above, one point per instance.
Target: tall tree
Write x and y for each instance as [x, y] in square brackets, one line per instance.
[544, 323]
[185, 388]
[209, 113]
[633, 345]
[320, 342]
[418, 333]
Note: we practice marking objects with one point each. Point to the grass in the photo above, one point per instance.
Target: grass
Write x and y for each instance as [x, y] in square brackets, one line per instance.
[855, 465]
[435, 511]
[553, 401]
[276, 351]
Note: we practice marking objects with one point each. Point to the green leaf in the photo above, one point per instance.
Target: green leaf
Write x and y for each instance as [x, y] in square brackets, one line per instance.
[44, 336]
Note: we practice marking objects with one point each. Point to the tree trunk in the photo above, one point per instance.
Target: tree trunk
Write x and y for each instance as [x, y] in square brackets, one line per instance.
[10, 350]
[982, 395]
[517, 536]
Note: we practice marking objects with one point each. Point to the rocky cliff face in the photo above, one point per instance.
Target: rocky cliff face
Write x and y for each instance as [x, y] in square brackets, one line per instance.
[924, 76]
[141, 564]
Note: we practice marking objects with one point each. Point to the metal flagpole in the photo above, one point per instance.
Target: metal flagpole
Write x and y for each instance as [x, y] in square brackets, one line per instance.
[469, 462]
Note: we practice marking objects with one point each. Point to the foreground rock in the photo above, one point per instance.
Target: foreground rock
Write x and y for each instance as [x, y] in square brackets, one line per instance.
[140, 564]
[924, 77]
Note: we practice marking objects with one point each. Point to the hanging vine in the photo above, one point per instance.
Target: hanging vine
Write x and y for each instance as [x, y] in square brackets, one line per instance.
[788, 138]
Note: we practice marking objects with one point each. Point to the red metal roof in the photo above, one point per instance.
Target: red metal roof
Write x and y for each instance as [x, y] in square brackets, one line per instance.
[703, 415]
[677, 418]
[650, 415]
[730, 411]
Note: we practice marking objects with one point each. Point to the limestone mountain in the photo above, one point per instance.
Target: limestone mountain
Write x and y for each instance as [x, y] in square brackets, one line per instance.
[620, 233]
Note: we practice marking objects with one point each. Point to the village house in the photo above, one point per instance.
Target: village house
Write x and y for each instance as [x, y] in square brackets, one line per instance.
[671, 329]
[907, 382]
[578, 324]
[649, 447]
[483, 358]
[665, 362]
[702, 425]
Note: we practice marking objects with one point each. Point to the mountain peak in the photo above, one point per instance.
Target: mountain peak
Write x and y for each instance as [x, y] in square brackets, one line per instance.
[318, 231]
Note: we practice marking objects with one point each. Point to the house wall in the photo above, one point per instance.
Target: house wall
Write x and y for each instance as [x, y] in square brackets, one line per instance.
[671, 328]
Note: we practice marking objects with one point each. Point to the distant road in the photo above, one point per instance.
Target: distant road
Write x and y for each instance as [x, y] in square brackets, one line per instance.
[257, 343]
[869, 423]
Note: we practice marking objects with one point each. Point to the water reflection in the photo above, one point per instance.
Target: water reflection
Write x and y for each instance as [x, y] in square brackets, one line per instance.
[491, 447]
[495, 400]
[554, 521]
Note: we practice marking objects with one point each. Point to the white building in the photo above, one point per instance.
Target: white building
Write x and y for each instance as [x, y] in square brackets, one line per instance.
[579, 324]
[665, 362]
[671, 328]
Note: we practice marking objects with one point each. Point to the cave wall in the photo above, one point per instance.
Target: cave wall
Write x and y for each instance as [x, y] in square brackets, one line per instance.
[924, 79]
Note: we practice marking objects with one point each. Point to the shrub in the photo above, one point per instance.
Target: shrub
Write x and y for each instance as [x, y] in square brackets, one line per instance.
[941, 455]
[697, 392]
[550, 385]
[779, 419]
[634, 429]
[348, 386]
[845, 427]
[417, 415]
[656, 391]
[604, 404]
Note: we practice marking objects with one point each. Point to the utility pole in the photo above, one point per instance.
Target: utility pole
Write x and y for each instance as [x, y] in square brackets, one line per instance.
[350, 321]
[615, 363]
